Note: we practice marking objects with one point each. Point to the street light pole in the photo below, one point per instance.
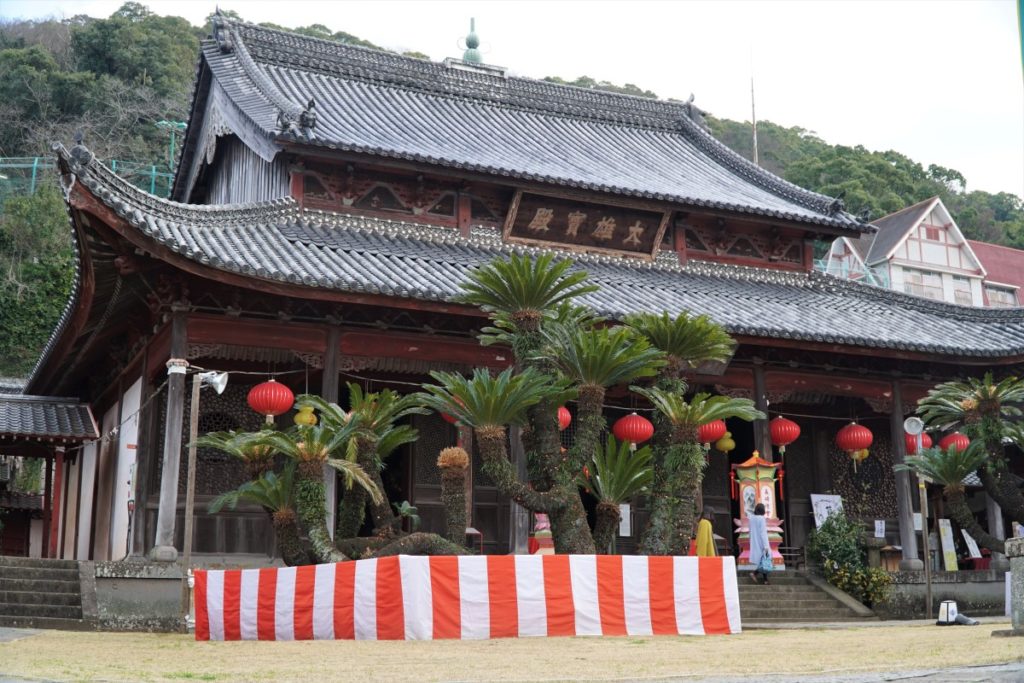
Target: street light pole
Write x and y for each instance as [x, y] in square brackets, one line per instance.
[218, 380]
[915, 427]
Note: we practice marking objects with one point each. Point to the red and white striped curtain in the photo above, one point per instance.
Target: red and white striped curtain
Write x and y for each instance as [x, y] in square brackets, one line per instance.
[494, 596]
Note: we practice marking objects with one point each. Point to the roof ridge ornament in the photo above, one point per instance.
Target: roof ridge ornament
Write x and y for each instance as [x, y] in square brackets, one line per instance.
[221, 32]
[472, 53]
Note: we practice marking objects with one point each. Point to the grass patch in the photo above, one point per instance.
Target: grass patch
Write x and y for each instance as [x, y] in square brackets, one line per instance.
[149, 657]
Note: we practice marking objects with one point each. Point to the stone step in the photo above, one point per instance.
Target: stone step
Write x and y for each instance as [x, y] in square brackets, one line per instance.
[46, 622]
[821, 602]
[743, 579]
[55, 574]
[753, 623]
[780, 592]
[10, 561]
[788, 614]
[13, 609]
[40, 586]
[37, 598]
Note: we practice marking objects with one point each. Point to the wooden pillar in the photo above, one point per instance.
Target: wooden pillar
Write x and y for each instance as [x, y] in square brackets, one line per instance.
[329, 392]
[47, 507]
[164, 550]
[762, 438]
[994, 515]
[144, 456]
[65, 495]
[519, 517]
[904, 500]
[55, 506]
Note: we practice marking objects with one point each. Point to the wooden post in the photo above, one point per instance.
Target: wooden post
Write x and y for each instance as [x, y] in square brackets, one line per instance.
[519, 517]
[762, 439]
[55, 506]
[329, 392]
[904, 502]
[190, 490]
[47, 508]
[164, 550]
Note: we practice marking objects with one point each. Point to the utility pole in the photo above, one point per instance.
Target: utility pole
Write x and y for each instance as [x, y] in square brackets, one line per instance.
[173, 127]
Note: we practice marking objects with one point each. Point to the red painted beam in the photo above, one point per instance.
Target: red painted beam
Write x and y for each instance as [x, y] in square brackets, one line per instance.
[424, 348]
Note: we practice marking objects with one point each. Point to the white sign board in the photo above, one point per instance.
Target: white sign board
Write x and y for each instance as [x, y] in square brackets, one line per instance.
[972, 545]
[879, 528]
[948, 547]
[625, 520]
[917, 521]
[824, 505]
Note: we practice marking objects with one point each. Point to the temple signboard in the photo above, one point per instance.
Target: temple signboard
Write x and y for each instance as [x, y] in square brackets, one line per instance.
[542, 220]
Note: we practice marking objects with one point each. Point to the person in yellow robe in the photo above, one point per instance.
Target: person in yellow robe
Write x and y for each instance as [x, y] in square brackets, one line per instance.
[705, 534]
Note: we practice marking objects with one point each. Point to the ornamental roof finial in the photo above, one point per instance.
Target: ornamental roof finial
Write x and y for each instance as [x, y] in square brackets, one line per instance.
[472, 54]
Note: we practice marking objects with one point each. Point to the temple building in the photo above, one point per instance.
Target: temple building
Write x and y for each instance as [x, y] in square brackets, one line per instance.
[328, 202]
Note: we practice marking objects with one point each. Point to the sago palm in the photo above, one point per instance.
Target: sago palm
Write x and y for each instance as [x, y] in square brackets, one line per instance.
[687, 340]
[687, 416]
[245, 446]
[275, 494]
[982, 409]
[523, 288]
[679, 470]
[615, 475]
[948, 469]
[311, 448]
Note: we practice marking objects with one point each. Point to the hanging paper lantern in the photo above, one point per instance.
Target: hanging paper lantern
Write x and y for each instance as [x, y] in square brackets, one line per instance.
[711, 432]
[911, 442]
[854, 437]
[305, 417]
[956, 440]
[271, 398]
[564, 418]
[784, 432]
[634, 429]
[725, 444]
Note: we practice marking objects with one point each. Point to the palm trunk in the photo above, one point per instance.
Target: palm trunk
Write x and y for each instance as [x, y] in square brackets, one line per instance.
[998, 484]
[351, 512]
[453, 497]
[289, 542]
[686, 487]
[607, 523]
[384, 519]
[310, 498]
[420, 543]
[662, 526]
[962, 515]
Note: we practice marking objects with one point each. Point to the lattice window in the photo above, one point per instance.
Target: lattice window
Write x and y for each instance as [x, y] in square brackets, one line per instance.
[381, 198]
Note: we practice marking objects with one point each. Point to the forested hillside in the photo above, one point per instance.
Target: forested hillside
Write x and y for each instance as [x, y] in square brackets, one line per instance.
[114, 79]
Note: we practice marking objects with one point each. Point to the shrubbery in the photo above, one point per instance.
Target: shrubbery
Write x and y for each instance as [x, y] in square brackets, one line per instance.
[837, 546]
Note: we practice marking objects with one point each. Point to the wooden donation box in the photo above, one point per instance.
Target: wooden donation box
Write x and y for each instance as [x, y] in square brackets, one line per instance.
[753, 482]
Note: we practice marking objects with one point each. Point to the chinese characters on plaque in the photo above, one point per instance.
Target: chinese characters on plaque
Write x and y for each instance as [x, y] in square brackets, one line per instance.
[540, 219]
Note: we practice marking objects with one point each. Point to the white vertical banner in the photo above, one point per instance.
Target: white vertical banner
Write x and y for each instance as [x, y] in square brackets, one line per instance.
[948, 547]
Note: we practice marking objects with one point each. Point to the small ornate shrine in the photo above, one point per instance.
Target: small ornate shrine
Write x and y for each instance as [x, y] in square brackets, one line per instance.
[753, 482]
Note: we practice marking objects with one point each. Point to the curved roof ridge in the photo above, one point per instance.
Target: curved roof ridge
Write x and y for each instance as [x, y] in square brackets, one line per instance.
[97, 177]
[282, 48]
[736, 162]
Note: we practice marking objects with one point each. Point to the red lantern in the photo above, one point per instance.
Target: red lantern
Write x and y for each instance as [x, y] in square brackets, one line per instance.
[784, 432]
[271, 398]
[634, 429]
[955, 440]
[911, 441]
[564, 418]
[711, 432]
[854, 437]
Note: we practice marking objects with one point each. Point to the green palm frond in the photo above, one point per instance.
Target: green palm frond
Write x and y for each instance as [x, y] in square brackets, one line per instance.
[487, 400]
[948, 467]
[603, 356]
[523, 288]
[687, 338]
[964, 403]
[566, 314]
[329, 414]
[243, 445]
[379, 410]
[399, 435]
[305, 443]
[356, 475]
[271, 491]
[701, 409]
[617, 474]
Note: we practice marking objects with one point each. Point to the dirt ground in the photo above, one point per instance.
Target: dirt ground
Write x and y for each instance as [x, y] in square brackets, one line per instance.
[67, 656]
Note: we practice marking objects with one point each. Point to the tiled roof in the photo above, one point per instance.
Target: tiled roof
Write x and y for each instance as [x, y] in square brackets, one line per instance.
[46, 418]
[273, 87]
[1004, 265]
[275, 241]
[894, 227]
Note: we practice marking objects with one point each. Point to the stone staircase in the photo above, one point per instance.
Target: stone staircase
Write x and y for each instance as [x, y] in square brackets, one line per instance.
[41, 594]
[792, 598]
